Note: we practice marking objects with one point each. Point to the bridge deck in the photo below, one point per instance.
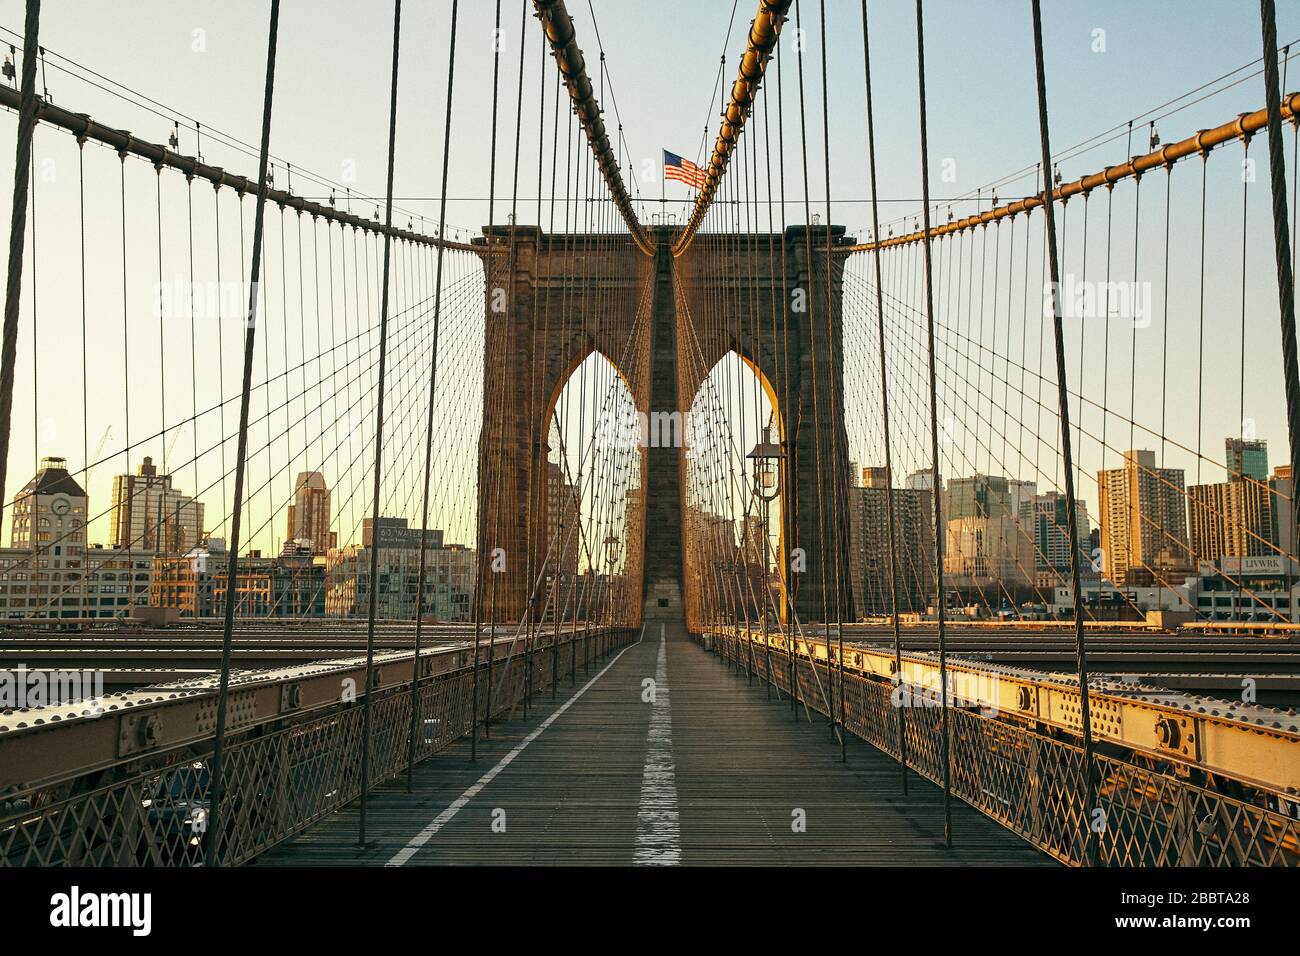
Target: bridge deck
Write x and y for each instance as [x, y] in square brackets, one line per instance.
[714, 773]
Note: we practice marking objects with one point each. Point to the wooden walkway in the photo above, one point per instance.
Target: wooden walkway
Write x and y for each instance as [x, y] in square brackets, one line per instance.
[714, 772]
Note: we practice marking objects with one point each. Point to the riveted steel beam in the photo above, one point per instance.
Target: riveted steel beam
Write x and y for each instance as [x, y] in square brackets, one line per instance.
[763, 35]
[50, 743]
[1252, 744]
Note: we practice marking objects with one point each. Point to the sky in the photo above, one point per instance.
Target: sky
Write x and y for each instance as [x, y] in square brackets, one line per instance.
[206, 61]
[1107, 62]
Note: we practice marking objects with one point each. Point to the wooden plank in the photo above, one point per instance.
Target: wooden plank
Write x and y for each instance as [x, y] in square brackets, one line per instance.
[742, 768]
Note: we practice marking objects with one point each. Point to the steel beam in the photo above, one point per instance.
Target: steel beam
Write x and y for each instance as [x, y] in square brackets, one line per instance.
[1259, 746]
[40, 746]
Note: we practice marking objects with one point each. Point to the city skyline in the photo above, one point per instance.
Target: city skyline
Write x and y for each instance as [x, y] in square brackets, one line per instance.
[53, 571]
[165, 418]
[887, 459]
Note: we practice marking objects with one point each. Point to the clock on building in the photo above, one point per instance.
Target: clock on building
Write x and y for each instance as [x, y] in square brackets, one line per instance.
[60, 506]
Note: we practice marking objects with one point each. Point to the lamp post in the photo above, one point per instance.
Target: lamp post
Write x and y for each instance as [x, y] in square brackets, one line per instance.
[611, 562]
[766, 456]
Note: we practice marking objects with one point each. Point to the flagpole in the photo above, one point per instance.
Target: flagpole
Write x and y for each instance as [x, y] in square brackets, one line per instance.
[663, 187]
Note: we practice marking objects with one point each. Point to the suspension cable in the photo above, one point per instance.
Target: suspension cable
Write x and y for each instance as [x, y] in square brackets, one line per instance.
[1063, 401]
[213, 849]
[557, 23]
[934, 433]
[763, 36]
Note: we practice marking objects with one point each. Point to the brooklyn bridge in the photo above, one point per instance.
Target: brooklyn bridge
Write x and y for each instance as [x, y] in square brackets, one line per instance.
[811, 501]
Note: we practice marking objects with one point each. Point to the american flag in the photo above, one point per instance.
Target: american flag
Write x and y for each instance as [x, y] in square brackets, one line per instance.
[683, 170]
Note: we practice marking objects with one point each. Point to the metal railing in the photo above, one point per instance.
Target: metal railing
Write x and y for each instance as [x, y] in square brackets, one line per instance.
[1032, 783]
[281, 776]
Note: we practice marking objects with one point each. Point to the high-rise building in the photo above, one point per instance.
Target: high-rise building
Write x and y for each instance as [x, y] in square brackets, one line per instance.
[1143, 522]
[755, 563]
[873, 477]
[1282, 507]
[913, 545]
[1020, 491]
[921, 480]
[1246, 458]
[984, 542]
[633, 542]
[1230, 519]
[754, 541]
[1046, 518]
[309, 515]
[149, 514]
[980, 496]
[713, 534]
[563, 515]
[983, 552]
[709, 549]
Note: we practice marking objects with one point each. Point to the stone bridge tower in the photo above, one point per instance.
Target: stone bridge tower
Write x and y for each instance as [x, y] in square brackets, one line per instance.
[565, 296]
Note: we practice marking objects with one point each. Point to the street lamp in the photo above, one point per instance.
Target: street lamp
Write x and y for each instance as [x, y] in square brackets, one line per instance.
[767, 477]
[766, 457]
[611, 562]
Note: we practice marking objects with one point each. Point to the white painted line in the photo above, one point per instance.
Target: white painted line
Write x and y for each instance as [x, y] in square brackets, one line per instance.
[441, 820]
[658, 838]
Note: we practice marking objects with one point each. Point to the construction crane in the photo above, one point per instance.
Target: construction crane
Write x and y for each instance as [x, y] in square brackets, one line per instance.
[171, 445]
[98, 449]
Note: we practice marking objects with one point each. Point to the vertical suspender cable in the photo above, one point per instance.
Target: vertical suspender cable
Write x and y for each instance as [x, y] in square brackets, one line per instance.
[1281, 241]
[789, 461]
[85, 402]
[934, 434]
[18, 233]
[433, 386]
[533, 510]
[510, 305]
[526, 621]
[543, 466]
[213, 849]
[836, 387]
[884, 396]
[1063, 396]
[367, 702]
[489, 268]
[816, 400]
